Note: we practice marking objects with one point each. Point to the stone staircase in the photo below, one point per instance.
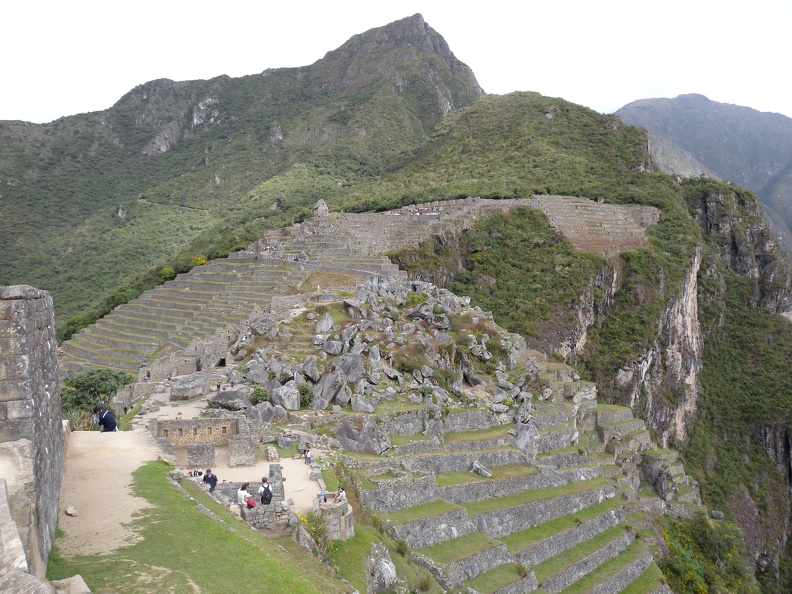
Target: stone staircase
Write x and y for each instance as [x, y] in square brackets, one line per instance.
[572, 518]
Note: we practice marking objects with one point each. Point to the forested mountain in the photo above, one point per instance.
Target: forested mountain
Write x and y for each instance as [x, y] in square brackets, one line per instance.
[750, 148]
[692, 333]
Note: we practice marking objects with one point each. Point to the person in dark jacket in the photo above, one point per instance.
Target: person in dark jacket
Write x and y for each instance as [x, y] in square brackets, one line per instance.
[210, 479]
[105, 419]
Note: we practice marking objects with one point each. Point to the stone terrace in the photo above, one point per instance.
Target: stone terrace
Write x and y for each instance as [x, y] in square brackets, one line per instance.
[571, 516]
[226, 291]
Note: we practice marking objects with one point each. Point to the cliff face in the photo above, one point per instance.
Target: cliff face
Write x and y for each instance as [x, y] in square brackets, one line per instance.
[662, 384]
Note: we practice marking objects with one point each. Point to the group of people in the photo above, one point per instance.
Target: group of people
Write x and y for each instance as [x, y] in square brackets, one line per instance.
[244, 498]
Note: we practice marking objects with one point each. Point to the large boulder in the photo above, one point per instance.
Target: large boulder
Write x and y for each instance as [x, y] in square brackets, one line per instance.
[331, 387]
[310, 370]
[191, 386]
[287, 396]
[353, 366]
[231, 399]
[380, 570]
[324, 325]
[527, 438]
[359, 433]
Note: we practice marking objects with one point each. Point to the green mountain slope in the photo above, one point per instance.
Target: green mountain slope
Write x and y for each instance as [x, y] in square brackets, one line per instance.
[92, 199]
[750, 148]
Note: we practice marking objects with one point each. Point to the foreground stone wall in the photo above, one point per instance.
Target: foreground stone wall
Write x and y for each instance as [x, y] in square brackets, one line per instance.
[32, 439]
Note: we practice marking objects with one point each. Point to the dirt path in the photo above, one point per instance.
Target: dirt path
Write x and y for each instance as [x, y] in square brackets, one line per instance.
[98, 477]
[96, 482]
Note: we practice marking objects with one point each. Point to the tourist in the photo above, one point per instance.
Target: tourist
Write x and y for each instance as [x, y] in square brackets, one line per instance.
[341, 495]
[105, 419]
[307, 456]
[243, 497]
[265, 493]
[210, 479]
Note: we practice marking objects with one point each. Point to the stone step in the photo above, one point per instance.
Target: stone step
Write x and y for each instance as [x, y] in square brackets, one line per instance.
[651, 581]
[491, 437]
[97, 353]
[500, 516]
[629, 443]
[427, 524]
[553, 416]
[510, 479]
[560, 571]
[453, 561]
[607, 431]
[539, 543]
[462, 461]
[507, 578]
[615, 574]
[98, 341]
[110, 339]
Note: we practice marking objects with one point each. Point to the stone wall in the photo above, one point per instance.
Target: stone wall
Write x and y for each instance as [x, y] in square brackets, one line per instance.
[391, 495]
[432, 530]
[502, 522]
[32, 438]
[183, 432]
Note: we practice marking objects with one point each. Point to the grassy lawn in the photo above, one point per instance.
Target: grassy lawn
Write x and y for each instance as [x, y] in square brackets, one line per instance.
[479, 507]
[185, 551]
[495, 579]
[524, 538]
[419, 512]
[463, 547]
[506, 471]
[480, 435]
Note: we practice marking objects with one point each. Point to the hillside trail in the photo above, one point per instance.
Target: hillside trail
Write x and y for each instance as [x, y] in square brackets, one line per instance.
[97, 481]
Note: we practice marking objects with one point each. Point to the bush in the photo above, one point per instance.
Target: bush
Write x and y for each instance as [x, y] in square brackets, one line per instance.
[259, 395]
[306, 395]
[402, 548]
[167, 273]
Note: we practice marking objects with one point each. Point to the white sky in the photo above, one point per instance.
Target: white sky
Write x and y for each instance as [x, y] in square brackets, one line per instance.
[61, 57]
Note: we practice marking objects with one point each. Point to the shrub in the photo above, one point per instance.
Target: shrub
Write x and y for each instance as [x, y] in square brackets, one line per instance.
[167, 273]
[424, 583]
[522, 570]
[259, 395]
[306, 395]
[402, 547]
[414, 298]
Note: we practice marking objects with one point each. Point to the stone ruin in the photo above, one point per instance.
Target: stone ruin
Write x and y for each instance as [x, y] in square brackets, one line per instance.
[32, 436]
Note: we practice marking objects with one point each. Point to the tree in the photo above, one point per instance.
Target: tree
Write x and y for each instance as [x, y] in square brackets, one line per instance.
[92, 388]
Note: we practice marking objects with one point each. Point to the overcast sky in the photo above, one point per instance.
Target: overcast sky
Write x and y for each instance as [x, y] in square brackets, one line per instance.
[66, 57]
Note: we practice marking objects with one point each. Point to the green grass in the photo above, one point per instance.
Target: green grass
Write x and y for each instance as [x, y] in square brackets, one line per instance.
[330, 479]
[182, 549]
[480, 435]
[530, 536]
[397, 440]
[560, 562]
[505, 471]
[494, 579]
[459, 548]
[487, 505]
[420, 512]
